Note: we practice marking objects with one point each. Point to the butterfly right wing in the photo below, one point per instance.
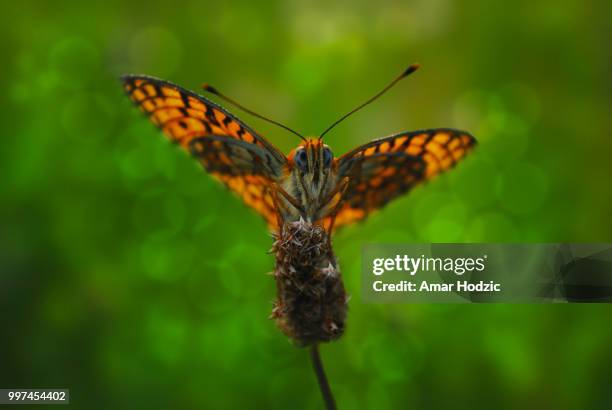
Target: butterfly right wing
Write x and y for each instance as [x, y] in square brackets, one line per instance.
[230, 150]
[384, 169]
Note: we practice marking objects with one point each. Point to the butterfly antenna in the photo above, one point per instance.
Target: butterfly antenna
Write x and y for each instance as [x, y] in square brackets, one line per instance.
[216, 92]
[406, 73]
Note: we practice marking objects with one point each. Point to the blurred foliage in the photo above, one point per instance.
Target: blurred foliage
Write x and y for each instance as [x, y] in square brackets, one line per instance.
[133, 279]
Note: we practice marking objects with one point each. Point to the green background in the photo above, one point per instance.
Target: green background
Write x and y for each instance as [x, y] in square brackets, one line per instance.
[130, 277]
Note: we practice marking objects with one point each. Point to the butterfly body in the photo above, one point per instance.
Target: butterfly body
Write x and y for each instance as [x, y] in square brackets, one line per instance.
[310, 187]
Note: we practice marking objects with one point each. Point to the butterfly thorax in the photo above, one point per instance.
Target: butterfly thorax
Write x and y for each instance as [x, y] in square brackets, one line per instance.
[311, 180]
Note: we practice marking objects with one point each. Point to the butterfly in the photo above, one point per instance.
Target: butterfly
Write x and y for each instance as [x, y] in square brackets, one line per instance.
[309, 183]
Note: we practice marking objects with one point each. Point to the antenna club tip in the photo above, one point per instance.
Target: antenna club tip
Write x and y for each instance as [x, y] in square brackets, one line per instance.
[209, 88]
[411, 69]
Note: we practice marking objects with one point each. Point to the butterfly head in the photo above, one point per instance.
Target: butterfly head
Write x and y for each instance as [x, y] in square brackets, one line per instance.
[312, 158]
[312, 173]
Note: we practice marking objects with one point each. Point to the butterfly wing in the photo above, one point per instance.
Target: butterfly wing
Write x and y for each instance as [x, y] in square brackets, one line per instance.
[384, 169]
[244, 168]
[228, 149]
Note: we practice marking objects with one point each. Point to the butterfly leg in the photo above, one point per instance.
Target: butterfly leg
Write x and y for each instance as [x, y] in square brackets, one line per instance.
[294, 202]
[339, 189]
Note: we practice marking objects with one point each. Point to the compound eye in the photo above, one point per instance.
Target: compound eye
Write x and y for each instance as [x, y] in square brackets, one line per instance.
[328, 156]
[301, 160]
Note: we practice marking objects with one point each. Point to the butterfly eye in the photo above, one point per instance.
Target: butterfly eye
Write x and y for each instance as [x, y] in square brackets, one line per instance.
[301, 160]
[328, 156]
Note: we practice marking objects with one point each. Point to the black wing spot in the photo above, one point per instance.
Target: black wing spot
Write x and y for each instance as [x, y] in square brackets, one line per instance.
[184, 99]
[210, 116]
[240, 132]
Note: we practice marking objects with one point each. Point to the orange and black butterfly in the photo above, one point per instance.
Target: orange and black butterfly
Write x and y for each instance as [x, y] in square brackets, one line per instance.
[309, 183]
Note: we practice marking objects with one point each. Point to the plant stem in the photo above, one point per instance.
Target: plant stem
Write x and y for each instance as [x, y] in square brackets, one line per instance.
[317, 365]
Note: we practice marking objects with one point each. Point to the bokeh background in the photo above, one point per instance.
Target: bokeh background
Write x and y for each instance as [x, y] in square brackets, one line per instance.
[130, 277]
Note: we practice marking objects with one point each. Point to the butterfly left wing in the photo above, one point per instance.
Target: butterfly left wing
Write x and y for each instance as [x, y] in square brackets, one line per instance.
[231, 151]
[244, 168]
[384, 169]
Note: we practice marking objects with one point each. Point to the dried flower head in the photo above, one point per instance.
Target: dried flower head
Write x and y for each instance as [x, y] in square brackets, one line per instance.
[312, 303]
